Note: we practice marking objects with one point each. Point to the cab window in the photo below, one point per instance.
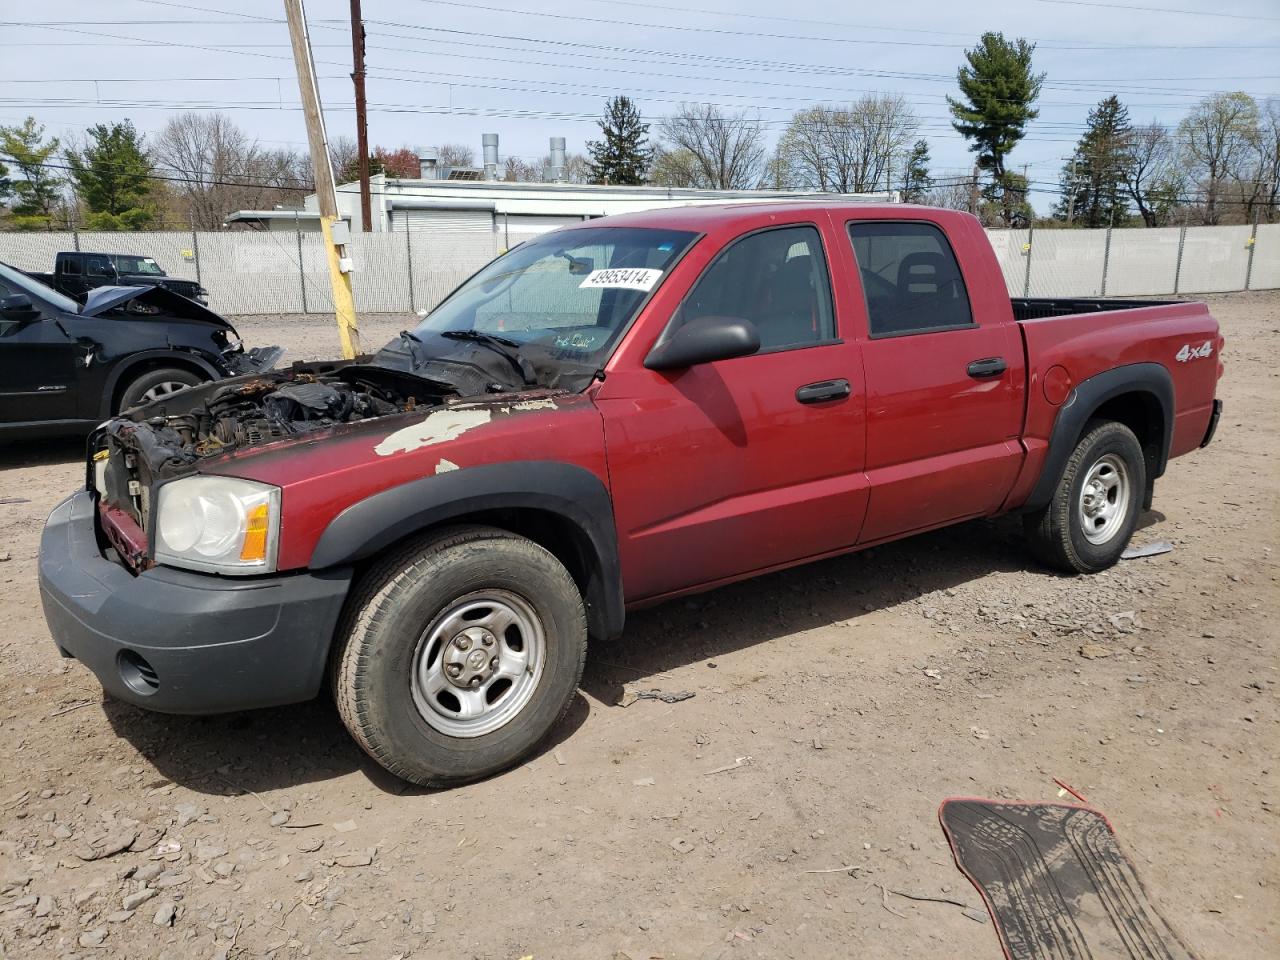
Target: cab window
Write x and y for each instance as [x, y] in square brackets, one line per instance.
[777, 279]
[910, 278]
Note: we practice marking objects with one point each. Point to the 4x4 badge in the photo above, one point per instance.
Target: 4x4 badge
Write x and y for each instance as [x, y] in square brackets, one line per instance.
[1189, 352]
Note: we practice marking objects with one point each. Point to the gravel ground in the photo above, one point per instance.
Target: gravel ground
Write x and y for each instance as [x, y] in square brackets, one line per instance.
[835, 706]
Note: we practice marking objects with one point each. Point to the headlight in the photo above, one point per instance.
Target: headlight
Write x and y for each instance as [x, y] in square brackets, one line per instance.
[219, 524]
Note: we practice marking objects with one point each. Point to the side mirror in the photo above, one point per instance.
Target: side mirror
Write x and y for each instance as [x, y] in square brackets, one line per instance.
[18, 307]
[704, 340]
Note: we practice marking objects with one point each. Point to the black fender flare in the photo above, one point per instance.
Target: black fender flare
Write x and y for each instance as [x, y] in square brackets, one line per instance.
[126, 365]
[1083, 401]
[569, 492]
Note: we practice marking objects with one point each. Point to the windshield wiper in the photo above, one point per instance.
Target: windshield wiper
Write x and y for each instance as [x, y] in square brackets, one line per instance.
[501, 346]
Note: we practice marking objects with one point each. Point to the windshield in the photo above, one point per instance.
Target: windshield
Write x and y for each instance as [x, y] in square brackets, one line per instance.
[15, 281]
[565, 297]
[143, 266]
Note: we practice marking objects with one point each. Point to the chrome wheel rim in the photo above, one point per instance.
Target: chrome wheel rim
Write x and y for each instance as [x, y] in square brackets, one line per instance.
[478, 663]
[1104, 499]
[162, 389]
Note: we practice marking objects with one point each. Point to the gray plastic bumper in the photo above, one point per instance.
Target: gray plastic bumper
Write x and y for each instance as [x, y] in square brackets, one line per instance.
[183, 642]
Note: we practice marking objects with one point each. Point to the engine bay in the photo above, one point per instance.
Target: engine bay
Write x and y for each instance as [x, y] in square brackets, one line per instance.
[166, 438]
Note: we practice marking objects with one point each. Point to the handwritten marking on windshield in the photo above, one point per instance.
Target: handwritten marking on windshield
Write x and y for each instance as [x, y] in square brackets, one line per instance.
[636, 278]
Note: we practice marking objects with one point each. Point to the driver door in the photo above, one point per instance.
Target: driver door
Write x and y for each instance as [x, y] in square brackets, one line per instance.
[737, 466]
[37, 367]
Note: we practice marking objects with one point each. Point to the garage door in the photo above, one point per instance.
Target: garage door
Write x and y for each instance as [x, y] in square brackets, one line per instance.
[517, 228]
[446, 247]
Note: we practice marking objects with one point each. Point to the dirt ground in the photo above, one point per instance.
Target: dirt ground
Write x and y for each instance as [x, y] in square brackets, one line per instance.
[853, 696]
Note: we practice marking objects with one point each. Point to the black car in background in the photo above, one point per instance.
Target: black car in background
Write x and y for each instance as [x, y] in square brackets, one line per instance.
[75, 273]
[67, 366]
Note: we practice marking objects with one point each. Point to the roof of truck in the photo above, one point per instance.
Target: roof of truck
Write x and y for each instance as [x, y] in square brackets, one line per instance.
[705, 216]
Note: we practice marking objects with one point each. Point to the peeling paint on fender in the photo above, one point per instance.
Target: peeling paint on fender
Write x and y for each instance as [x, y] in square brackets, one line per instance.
[534, 405]
[438, 427]
[444, 466]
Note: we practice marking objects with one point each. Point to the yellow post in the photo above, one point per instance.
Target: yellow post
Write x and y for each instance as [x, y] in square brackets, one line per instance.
[344, 305]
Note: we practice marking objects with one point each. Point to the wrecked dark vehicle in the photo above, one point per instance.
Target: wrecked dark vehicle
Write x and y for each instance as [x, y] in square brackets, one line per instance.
[77, 272]
[66, 366]
[608, 416]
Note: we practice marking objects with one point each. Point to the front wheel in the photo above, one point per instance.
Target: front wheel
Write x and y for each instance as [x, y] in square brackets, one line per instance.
[458, 654]
[155, 384]
[1095, 508]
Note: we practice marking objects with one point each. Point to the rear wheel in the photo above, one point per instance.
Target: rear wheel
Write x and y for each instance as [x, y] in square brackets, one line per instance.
[1095, 508]
[155, 384]
[458, 654]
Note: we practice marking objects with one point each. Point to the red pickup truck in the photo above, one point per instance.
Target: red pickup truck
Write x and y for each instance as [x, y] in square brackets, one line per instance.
[605, 417]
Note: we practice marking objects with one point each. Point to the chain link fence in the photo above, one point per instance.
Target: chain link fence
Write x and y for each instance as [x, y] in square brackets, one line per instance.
[1178, 261]
[286, 271]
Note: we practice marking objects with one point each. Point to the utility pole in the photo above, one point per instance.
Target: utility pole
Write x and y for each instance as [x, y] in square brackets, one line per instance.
[1071, 192]
[362, 120]
[973, 192]
[336, 232]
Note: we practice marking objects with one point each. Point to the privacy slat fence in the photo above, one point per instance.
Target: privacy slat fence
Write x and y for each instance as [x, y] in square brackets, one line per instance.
[285, 272]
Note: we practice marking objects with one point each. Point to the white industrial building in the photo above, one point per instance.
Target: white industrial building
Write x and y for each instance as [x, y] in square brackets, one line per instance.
[472, 206]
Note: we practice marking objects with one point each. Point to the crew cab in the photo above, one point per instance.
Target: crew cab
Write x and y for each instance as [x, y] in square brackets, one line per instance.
[605, 417]
[75, 273]
[65, 366]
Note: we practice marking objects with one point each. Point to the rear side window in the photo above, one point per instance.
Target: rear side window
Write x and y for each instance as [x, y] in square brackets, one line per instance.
[71, 265]
[777, 279]
[910, 277]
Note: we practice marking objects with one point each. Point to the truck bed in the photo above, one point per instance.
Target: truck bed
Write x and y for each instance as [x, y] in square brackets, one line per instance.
[1035, 308]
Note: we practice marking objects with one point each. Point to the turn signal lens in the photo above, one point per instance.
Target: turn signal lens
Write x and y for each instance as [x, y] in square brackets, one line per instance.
[257, 526]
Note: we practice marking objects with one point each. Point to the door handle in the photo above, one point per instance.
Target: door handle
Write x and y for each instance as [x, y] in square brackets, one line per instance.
[990, 367]
[824, 390]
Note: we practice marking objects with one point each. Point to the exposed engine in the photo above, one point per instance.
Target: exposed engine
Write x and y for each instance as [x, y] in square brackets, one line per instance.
[245, 416]
[165, 438]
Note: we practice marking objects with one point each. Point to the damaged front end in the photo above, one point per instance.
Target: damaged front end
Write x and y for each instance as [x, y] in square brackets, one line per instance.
[132, 455]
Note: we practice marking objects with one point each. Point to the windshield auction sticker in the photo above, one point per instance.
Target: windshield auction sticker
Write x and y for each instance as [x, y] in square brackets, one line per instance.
[637, 278]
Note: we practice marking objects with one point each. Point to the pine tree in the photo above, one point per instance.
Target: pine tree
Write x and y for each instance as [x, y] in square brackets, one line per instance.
[1093, 179]
[999, 88]
[916, 182]
[112, 175]
[37, 194]
[623, 156]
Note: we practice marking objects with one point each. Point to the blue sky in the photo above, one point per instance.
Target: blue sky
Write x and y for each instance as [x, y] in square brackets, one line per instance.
[450, 70]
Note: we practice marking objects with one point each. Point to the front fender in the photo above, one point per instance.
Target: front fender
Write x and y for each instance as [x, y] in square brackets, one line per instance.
[127, 368]
[569, 492]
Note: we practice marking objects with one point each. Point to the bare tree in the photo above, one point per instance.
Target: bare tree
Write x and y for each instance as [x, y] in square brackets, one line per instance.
[726, 150]
[1269, 154]
[1258, 187]
[951, 192]
[215, 168]
[344, 157]
[1150, 172]
[849, 149]
[517, 171]
[1216, 136]
[455, 155]
[674, 168]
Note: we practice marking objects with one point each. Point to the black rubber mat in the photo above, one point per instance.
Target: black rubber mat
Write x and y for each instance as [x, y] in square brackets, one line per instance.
[1056, 883]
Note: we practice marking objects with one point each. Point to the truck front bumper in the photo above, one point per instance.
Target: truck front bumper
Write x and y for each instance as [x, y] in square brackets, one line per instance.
[184, 642]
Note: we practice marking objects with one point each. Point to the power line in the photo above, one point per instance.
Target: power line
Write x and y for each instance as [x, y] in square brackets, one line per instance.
[685, 28]
[1187, 13]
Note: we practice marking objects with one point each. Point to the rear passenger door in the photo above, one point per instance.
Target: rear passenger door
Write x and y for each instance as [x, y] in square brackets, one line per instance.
[944, 385]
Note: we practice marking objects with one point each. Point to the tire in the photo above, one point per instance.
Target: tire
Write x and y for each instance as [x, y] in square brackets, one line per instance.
[159, 382]
[393, 648]
[1066, 535]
